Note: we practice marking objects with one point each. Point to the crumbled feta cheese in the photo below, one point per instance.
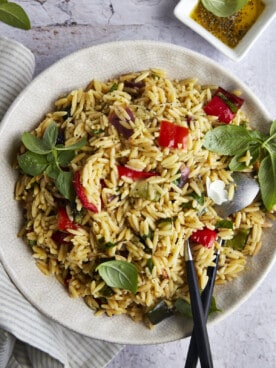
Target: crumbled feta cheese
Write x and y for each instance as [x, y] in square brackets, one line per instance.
[216, 191]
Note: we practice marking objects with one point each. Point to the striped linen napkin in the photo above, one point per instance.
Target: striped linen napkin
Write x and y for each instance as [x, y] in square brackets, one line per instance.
[28, 338]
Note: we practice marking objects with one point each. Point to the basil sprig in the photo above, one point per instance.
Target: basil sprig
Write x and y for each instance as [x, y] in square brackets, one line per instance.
[119, 274]
[14, 15]
[184, 308]
[44, 155]
[233, 140]
[223, 8]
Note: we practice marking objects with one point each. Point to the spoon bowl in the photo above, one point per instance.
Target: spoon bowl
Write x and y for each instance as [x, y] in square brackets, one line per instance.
[247, 189]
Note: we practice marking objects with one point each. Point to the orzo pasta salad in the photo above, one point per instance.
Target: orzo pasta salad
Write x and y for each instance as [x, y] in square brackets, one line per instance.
[118, 175]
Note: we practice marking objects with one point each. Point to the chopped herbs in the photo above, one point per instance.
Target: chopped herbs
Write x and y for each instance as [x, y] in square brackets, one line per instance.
[150, 264]
[105, 245]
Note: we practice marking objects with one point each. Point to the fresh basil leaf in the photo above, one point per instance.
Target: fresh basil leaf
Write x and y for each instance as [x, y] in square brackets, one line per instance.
[50, 135]
[227, 140]
[72, 147]
[65, 157]
[271, 147]
[256, 135]
[213, 306]
[32, 163]
[119, 274]
[183, 307]
[223, 8]
[52, 171]
[255, 152]
[267, 180]
[34, 144]
[64, 184]
[273, 128]
[51, 157]
[236, 165]
[14, 15]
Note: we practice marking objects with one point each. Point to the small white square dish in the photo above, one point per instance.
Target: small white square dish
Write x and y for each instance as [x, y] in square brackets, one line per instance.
[183, 12]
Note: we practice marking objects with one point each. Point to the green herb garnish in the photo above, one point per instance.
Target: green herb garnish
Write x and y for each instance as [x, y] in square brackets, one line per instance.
[150, 264]
[14, 15]
[119, 274]
[225, 224]
[238, 242]
[184, 308]
[106, 245]
[114, 87]
[223, 8]
[233, 140]
[199, 198]
[43, 155]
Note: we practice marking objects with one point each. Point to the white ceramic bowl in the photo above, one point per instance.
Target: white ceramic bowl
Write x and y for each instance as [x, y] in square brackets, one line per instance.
[184, 8]
[102, 62]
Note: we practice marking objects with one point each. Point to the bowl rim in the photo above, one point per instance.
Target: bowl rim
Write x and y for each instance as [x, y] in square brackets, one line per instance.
[138, 47]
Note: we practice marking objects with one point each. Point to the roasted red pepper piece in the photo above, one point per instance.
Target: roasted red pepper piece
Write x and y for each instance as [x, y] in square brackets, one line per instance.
[64, 222]
[224, 105]
[133, 174]
[81, 193]
[205, 237]
[172, 135]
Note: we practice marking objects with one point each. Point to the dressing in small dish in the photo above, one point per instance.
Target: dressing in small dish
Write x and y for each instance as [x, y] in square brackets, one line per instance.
[231, 29]
[234, 35]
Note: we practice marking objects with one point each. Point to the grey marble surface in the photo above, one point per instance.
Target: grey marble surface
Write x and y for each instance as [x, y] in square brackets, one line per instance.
[247, 338]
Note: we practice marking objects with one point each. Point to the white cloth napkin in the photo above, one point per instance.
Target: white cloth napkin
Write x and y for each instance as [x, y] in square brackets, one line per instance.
[28, 338]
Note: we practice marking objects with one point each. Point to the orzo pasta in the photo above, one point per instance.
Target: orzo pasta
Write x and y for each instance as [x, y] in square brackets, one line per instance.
[132, 197]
